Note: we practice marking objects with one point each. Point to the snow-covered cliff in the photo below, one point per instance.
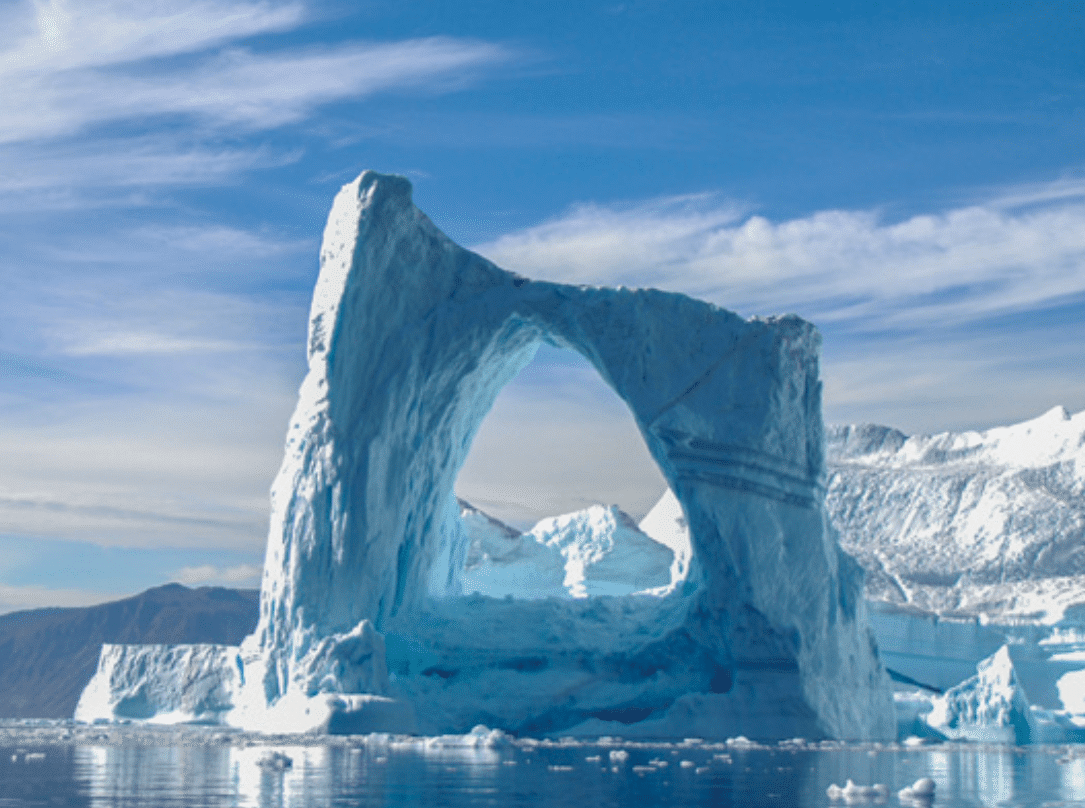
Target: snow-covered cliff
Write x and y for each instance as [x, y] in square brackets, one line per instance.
[972, 523]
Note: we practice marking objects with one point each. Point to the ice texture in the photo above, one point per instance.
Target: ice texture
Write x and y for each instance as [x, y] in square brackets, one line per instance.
[756, 626]
[162, 683]
[989, 523]
[971, 541]
[596, 551]
[990, 706]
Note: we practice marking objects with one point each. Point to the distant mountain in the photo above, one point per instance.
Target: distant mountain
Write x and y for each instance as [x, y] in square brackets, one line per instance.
[47, 656]
[986, 522]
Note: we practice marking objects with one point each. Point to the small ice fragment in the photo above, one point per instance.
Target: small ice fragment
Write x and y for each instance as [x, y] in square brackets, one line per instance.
[644, 769]
[687, 764]
[559, 768]
[34, 756]
[700, 770]
[619, 756]
[852, 792]
[919, 793]
[593, 758]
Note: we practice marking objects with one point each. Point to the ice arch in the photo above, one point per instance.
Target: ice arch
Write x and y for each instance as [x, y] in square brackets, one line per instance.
[411, 338]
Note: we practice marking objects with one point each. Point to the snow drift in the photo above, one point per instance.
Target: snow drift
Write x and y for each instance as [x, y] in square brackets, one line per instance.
[757, 628]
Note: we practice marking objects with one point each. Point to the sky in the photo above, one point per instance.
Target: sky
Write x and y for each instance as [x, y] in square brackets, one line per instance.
[909, 176]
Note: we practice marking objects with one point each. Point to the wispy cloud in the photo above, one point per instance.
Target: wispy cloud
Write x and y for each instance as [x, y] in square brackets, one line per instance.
[84, 173]
[1020, 251]
[76, 66]
[103, 99]
[17, 598]
[206, 574]
[51, 36]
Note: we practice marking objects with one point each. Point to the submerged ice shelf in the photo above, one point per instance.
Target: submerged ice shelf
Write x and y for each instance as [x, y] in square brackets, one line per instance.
[368, 621]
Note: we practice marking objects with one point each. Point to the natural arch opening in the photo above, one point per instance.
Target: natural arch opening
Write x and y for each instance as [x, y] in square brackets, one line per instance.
[558, 440]
[560, 497]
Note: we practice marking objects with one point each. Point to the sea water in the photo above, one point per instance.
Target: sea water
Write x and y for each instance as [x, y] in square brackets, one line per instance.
[65, 764]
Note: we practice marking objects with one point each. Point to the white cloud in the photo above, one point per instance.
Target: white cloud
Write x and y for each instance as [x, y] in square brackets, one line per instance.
[207, 574]
[96, 62]
[851, 267]
[52, 36]
[17, 598]
[78, 173]
[101, 99]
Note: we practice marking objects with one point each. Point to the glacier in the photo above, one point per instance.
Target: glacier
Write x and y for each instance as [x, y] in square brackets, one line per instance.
[387, 604]
[972, 541]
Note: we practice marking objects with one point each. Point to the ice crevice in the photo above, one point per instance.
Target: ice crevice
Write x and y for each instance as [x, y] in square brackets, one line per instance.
[374, 607]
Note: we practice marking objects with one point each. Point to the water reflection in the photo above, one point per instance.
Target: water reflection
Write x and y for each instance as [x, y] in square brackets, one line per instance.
[386, 772]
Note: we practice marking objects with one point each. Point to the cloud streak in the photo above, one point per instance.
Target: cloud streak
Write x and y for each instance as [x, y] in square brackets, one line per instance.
[56, 82]
[208, 574]
[17, 598]
[1016, 253]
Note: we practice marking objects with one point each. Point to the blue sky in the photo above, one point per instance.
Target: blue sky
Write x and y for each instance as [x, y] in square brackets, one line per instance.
[908, 176]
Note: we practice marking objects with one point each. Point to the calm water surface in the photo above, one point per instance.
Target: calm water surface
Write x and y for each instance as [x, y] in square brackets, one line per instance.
[72, 766]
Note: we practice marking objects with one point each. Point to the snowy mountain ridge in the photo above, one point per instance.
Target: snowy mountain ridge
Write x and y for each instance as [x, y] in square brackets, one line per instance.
[599, 550]
[988, 522]
[1054, 437]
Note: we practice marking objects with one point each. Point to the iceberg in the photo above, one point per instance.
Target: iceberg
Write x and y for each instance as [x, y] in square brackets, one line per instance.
[162, 683]
[990, 706]
[386, 602]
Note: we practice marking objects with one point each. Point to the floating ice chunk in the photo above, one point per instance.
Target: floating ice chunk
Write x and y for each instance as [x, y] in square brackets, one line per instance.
[919, 794]
[853, 793]
[619, 756]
